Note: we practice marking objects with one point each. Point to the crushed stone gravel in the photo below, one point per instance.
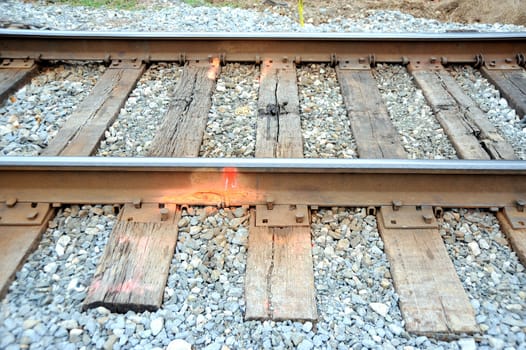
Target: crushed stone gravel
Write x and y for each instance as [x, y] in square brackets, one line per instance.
[203, 300]
[32, 116]
[134, 129]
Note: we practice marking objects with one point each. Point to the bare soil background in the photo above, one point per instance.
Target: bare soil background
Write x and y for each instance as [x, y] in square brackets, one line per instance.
[463, 11]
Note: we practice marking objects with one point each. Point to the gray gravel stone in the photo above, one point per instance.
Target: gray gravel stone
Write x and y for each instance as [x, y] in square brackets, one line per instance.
[234, 108]
[493, 279]
[324, 122]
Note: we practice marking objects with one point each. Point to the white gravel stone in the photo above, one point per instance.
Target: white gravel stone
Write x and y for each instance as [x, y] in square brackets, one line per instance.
[467, 344]
[157, 325]
[74, 335]
[483, 244]
[474, 247]
[380, 308]
[179, 344]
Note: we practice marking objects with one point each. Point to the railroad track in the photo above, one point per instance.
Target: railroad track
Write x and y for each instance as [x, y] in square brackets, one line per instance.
[279, 190]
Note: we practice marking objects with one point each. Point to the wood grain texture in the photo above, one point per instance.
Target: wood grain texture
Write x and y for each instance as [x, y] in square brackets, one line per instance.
[258, 271]
[134, 267]
[181, 132]
[279, 282]
[84, 129]
[16, 243]
[12, 79]
[490, 139]
[373, 130]
[511, 84]
[516, 237]
[432, 299]
[468, 128]
[278, 133]
[292, 279]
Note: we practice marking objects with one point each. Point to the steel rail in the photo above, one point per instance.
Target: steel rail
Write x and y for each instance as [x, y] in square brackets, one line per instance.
[254, 47]
[447, 36]
[252, 181]
[283, 165]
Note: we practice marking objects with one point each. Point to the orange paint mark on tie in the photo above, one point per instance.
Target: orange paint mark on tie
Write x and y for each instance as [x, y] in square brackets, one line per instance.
[213, 70]
[230, 178]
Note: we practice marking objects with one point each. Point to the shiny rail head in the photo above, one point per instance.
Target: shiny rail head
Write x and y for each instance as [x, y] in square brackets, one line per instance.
[369, 36]
[286, 165]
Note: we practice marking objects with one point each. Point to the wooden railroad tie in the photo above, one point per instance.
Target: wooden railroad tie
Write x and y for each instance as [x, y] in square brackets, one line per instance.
[134, 267]
[372, 128]
[510, 79]
[432, 299]
[279, 278]
[181, 132]
[84, 129]
[513, 223]
[14, 73]
[21, 226]
[468, 128]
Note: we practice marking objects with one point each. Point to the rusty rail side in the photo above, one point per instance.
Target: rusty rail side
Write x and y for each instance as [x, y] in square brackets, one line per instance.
[471, 48]
[251, 181]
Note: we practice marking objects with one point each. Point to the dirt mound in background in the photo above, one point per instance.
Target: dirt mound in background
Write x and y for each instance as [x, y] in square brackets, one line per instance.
[463, 11]
[484, 11]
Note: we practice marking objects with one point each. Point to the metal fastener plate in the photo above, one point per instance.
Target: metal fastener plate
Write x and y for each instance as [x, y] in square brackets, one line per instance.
[516, 218]
[23, 213]
[149, 212]
[409, 217]
[282, 215]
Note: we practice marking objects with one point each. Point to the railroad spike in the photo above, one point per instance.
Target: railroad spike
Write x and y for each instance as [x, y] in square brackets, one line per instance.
[137, 203]
[428, 218]
[11, 202]
[520, 204]
[299, 217]
[32, 215]
[270, 203]
[164, 213]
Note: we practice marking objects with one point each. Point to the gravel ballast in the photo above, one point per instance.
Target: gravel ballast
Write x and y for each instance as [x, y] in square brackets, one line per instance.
[420, 133]
[179, 16]
[234, 108]
[134, 129]
[509, 124]
[204, 303]
[32, 116]
[203, 300]
[324, 122]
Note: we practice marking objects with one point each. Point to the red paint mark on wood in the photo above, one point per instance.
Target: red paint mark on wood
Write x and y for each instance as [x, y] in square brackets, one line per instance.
[230, 178]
